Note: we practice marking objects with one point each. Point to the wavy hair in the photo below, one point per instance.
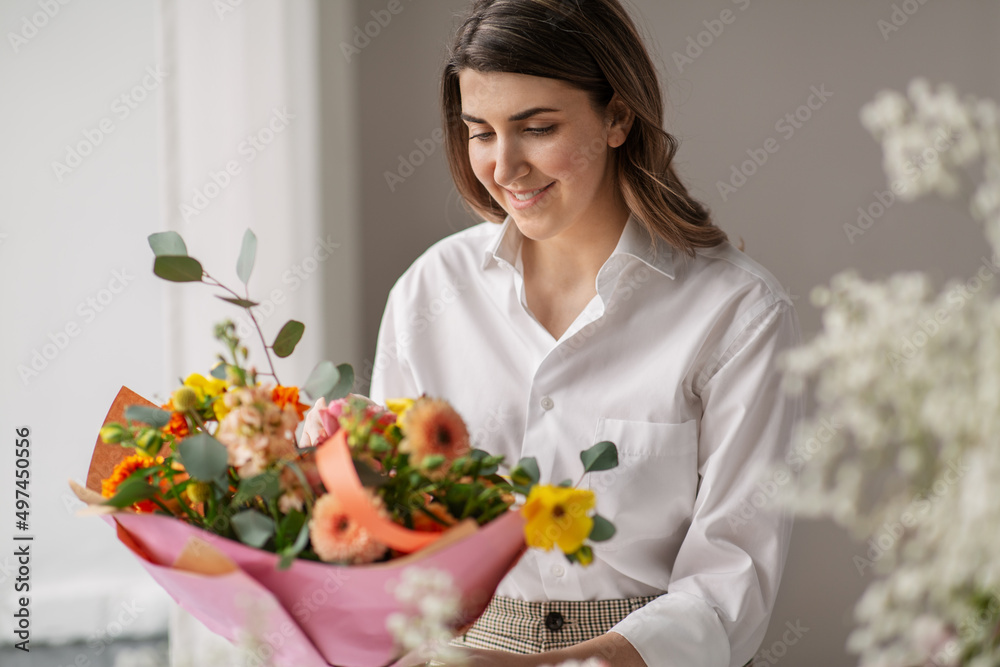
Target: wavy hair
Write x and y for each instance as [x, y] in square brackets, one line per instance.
[594, 46]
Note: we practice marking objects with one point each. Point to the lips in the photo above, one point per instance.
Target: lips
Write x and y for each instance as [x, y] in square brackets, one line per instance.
[525, 196]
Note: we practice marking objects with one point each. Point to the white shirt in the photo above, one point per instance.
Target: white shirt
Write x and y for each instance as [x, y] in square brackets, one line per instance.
[674, 361]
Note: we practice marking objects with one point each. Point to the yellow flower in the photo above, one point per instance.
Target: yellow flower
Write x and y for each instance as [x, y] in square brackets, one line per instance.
[399, 406]
[557, 516]
[205, 387]
[220, 408]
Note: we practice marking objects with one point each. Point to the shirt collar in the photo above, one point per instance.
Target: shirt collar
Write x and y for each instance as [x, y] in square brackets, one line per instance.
[634, 241]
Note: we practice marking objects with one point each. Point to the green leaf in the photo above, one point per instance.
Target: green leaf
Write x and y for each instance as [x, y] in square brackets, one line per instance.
[344, 384]
[204, 457]
[602, 456]
[525, 473]
[131, 491]
[264, 485]
[242, 303]
[288, 338]
[167, 243]
[566, 483]
[178, 269]
[369, 476]
[244, 265]
[153, 416]
[603, 529]
[219, 371]
[329, 381]
[289, 553]
[253, 528]
[487, 467]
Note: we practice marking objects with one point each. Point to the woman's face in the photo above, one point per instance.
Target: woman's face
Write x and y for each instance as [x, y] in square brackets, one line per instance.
[541, 150]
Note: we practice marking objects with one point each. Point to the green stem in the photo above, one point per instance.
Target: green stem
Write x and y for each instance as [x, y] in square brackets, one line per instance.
[255, 324]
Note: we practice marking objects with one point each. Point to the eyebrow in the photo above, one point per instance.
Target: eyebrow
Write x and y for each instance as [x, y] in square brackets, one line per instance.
[521, 115]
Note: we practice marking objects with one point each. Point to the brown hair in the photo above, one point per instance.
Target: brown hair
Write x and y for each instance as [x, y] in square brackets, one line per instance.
[593, 45]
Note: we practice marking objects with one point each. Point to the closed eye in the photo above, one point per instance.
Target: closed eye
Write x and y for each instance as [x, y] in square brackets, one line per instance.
[537, 131]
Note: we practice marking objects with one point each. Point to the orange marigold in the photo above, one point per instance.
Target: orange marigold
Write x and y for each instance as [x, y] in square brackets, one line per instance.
[177, 426]
[283, 396]
[109, 486]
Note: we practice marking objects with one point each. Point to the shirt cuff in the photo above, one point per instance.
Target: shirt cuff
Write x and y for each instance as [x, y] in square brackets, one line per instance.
[677, 630]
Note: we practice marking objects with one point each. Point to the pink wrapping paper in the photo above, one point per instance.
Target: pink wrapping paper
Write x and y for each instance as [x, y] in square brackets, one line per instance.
[339, 612]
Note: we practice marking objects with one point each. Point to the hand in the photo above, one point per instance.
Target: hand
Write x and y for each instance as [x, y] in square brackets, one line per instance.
[477, 657]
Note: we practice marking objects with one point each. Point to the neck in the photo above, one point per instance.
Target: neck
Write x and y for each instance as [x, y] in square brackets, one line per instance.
[573, 258]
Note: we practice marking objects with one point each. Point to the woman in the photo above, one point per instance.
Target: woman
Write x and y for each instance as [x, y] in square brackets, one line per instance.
[598, 302]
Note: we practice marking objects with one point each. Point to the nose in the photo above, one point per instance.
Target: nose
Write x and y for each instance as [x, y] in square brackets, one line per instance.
[510, 163]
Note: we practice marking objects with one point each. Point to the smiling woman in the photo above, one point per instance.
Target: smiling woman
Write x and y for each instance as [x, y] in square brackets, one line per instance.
[605, 305]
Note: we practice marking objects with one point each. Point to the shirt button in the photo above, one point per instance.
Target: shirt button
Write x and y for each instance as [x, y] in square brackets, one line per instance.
[558, 570]
[554, 621]
[547, 403]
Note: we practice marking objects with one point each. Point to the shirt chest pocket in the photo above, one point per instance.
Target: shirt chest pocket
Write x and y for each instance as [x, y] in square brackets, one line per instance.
[651, 493]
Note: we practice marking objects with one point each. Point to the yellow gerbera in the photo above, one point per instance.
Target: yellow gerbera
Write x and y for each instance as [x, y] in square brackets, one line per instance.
[558, 516]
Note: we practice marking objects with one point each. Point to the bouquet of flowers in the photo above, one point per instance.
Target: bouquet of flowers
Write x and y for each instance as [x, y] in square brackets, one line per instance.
[300, 545]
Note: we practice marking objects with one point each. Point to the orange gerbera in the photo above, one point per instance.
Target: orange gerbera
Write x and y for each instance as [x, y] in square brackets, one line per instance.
[283, 396]
[109, 486]
[337, 537]
[432, 427]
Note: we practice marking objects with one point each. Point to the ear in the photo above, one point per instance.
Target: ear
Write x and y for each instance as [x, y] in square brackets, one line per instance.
[618, 119]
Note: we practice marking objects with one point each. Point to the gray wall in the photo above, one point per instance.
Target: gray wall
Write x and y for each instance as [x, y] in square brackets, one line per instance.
[790, 213]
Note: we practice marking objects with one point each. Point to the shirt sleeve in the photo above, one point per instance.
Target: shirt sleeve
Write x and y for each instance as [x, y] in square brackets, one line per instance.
[726, 574]
[391, 374]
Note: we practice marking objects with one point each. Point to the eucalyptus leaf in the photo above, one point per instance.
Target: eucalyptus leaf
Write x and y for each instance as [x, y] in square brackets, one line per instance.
[242, 303]
[525, 473]
[178, 269]
[264, 485]
[288, 338]
[167, 243]
[219, 371]
[131, 491]
[153, 416]
[204, 457]
[603, 529]
[253, 528]
[248, 252]
[344, 384]
[602, 456]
